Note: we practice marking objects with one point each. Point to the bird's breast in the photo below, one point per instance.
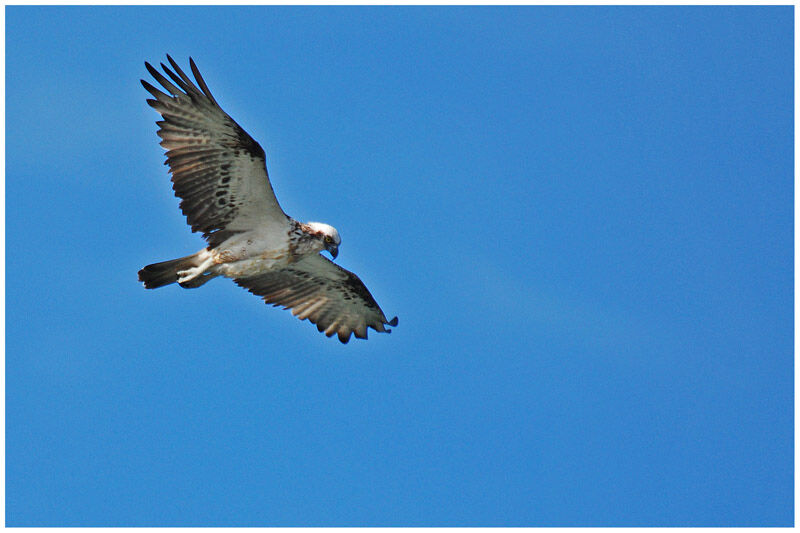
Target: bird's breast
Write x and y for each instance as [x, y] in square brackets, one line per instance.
[249, 254]
[252, 266]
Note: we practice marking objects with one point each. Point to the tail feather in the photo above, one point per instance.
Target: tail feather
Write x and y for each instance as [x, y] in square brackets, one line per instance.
[164, 273]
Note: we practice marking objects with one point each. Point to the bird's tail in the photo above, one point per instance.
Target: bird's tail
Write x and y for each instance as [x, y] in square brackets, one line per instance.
[164, 273]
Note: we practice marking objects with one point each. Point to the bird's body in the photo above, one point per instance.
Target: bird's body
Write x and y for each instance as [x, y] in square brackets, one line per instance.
[220, 174]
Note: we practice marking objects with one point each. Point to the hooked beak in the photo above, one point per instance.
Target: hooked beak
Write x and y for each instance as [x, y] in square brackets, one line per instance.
[332, 249]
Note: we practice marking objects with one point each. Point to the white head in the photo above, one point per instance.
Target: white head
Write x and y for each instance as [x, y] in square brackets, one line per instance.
[328, 235]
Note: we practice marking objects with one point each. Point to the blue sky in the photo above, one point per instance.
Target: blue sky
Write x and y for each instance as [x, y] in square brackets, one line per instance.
[582, 216]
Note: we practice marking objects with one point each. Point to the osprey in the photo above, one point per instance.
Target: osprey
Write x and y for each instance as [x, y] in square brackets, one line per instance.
[220, 174]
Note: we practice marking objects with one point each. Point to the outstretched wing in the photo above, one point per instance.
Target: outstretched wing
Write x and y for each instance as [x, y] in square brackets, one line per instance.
[218, 170]
[329, 296]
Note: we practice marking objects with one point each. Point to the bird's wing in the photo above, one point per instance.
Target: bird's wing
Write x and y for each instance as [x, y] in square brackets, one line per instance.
[329, 296]
[218, 170]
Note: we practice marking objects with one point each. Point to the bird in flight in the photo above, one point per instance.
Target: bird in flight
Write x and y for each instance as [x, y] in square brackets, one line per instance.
[220, 174]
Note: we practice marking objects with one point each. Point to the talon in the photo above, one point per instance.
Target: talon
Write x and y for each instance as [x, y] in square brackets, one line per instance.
[190, 273]
[185, 275]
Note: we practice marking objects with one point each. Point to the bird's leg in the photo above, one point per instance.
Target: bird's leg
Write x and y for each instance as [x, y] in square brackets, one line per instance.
[191, 273]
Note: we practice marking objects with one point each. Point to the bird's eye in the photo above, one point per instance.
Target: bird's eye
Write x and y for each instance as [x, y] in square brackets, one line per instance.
[328, 239]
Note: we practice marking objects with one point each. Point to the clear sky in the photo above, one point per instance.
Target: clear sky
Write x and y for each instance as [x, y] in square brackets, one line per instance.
[582, 216]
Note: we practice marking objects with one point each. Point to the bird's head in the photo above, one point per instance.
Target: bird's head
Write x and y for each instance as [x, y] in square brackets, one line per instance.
[328, 236]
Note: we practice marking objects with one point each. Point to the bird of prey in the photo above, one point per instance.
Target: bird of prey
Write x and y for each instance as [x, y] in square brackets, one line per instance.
[219, 172]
